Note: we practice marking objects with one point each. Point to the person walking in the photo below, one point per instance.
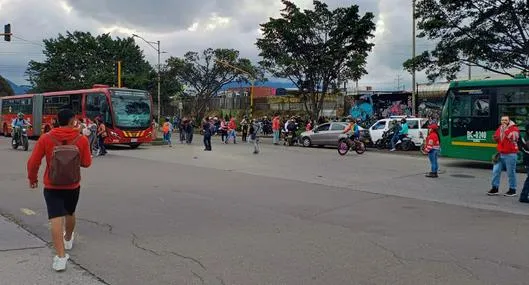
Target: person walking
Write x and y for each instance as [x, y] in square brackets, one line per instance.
[207, 129]
[432, 149]
[506, 136]
[66, 151]
[276, 128]
[232, 130]
[255, 130]
[167, 132]
[524, 195]
[244, 128]
[101, 135]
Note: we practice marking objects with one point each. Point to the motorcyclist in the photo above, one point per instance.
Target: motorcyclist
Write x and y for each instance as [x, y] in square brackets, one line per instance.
[403, 132]
[19, 122]
[352, 126]
[292, 127]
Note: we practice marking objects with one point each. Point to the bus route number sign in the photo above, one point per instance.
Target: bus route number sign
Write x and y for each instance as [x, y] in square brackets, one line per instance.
[476, 136]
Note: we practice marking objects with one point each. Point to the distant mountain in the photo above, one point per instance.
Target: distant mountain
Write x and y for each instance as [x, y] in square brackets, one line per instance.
[18, 89]
[272, 84]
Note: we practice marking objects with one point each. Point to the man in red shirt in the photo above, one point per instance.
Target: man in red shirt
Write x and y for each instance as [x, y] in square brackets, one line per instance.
[276, 127]
[63, 147]
[232, 131]
[506, 136]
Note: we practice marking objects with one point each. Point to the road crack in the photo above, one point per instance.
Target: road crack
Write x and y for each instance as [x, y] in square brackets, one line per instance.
[104, 225]
[198, 276]
[191, 260]
[194, 260]
[401, 260]
[135, 244]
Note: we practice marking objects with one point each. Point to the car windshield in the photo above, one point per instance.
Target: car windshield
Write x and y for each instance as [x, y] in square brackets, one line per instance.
[132, 109]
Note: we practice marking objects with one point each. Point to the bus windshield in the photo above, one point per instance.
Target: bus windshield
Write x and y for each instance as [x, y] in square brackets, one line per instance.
[132, 109]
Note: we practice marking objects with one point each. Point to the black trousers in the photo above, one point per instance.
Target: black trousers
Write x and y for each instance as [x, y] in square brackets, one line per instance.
[207, 142]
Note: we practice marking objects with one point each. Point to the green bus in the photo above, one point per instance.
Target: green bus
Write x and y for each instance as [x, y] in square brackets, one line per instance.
[471, 114]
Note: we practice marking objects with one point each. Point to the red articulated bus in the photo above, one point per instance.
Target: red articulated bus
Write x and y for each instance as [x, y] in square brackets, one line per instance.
[127, 113]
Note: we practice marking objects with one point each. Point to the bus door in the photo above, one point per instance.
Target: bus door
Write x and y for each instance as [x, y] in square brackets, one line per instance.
[96, 105]
[37, 101]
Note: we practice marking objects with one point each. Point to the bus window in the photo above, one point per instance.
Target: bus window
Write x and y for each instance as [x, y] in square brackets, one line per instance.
[461, 105]
[75, 103]
[514, 101]
[480, 106]
[471, 111]
[97, 105]
[53, 104]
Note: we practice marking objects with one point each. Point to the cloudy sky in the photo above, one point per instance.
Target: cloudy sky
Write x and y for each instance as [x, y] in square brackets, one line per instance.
[183, 25]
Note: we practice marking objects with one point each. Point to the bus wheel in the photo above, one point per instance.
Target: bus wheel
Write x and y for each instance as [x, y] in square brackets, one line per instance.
[134, 145]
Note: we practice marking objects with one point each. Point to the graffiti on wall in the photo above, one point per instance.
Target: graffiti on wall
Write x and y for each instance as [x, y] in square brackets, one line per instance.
[430, 108]
[380, 106]
[362, 109]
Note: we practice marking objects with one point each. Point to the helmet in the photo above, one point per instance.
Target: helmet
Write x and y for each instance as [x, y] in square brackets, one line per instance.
[403, 120]
[20, 115]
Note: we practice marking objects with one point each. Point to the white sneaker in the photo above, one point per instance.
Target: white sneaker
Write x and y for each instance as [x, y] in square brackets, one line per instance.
[68, 244]
[59, 263]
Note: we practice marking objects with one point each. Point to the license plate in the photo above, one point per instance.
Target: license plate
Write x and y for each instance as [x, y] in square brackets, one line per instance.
[133, 140]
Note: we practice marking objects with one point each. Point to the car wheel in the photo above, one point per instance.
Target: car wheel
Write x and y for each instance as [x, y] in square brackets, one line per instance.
[306, 142]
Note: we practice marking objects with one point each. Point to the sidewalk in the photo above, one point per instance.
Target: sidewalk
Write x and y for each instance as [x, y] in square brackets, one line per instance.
[26, 260]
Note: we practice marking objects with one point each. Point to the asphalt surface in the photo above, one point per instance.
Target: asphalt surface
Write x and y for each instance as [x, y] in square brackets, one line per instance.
[290, 215]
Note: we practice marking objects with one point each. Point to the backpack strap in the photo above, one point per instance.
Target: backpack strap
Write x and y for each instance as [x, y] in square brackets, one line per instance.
[76, 140]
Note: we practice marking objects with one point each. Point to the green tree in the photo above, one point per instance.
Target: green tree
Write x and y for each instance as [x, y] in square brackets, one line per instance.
[5, 88]
[493, 35]
[206, 74]
[78, 60]
[316, 49]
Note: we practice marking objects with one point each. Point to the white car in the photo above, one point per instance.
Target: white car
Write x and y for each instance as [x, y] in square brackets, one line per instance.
[418, 128]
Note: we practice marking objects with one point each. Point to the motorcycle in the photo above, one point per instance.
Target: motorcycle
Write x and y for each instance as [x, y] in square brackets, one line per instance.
[20, 138]
[348, 143]
[404, 143]
[290, 138]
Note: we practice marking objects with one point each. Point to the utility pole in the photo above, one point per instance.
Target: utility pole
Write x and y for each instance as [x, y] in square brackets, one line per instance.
[159, 70]
[398, 81]
[159, 80]
[413, 92]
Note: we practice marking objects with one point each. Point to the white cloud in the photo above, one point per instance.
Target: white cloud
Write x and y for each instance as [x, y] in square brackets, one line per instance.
[183, 25]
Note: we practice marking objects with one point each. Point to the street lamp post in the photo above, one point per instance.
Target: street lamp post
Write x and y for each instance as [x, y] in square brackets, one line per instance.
[252, 81]
[159, 70]
[413, 84]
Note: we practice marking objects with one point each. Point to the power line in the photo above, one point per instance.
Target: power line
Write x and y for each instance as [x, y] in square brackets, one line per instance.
[28, 41]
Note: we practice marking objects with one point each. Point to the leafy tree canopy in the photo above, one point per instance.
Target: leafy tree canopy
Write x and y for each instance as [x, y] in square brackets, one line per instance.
[78, 60]
[491, 34]
[207, 72]
[316, 49]
[5, 88]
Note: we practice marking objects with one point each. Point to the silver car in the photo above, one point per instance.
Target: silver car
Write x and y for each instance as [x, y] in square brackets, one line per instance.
[324, 134]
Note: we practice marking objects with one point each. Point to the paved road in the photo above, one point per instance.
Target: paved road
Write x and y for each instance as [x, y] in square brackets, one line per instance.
[160, 215]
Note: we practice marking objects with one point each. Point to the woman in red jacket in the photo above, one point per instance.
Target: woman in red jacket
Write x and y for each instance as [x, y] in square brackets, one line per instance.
[432, 148]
